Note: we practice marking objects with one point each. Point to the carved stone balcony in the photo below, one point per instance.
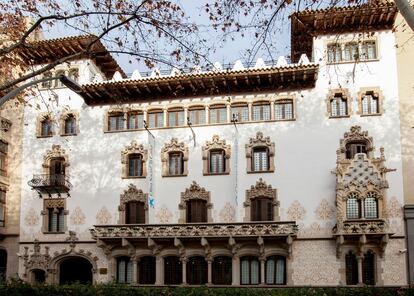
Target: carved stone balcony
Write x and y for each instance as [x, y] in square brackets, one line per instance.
[50, 184]
[196, 230]
[361, 226]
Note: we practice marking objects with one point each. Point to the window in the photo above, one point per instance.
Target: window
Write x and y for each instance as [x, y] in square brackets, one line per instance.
[217, 162]
[58, 83]
[74, 74]
[56, 220]
[46, 127]
[334, 53]
[2, 208]
[222, 270]
[351, 266]
[276, 270]
[370, 104]
[173, 274]
[3, 265]
[135, 120]
[353, 208]
[370, 206]
[176, 117]
[338, 106]
[260, 159]
[116, 122]
[48, 83]
[368, 50]
[124, 270]
[354, 148]
[175, 163]
[197, 115]
[249, 270]
[70, 125]
[3, 158]
[218, 114]
[146, 267]
[261, 111]
[368, 268]
[351, 51]
[196, 271]
[57, 171]
[155, 118]
[283, 109]
[38, 276]
[261, 209]
[240, 112]
[196, 211]
[135, 212]
[135, 165]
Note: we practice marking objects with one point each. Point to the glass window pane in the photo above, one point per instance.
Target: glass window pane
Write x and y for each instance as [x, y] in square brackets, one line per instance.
[352, 208]
[280, 271]
[270, 271]
[129, 272]
[255, 269]
[370, 205]
[245, 270]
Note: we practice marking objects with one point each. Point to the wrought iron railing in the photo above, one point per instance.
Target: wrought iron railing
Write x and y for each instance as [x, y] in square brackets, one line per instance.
[361, 226]
[50, 181]
[189, 230]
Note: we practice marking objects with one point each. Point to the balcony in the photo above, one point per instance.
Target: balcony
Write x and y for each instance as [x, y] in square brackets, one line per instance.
[50, 184]
[196, 230]
[361, 226]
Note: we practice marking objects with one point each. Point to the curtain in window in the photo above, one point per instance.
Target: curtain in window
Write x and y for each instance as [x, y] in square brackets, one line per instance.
[116, 122]
[250, 271]
[261, 112]
[245, 271]
[197, 116]
[2, 213]
[70, 125]
[270, 271]
[255, 269]
[218, 114]
[135, 120]
[175, 164]
[216, 162]
[176, 118]
[124, 272]
[46, 126]
[135, 165]
[156, 119]
[260, 160]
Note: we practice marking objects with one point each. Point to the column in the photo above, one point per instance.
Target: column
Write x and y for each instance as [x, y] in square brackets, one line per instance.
[145, 116]
[272, 110]
[165, 117]
[159, 270]
[409, 228]
[186, 115]
[228, 107]
[209, 271]
[235, 269]
[262, 270]
[250, 110]
[184, 266]
[207, 114]
[359, 260]
[134, 270]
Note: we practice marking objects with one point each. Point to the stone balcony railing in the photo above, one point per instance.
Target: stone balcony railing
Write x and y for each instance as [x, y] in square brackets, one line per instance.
[206, 230]
[361, 226]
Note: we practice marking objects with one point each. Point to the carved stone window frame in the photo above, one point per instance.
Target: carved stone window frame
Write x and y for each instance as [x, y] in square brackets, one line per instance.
[280, 100]
[174, 146]
[133, 148]
[355, 135]
[260, 142]
[54, 203]
[55, 152]
[42, 117]
[344, 93]
[195, 191]
[132, 194]
[261, 189]
[216, 144]
[360, 196]
[375, 92]
[113, 110]
[62, 122]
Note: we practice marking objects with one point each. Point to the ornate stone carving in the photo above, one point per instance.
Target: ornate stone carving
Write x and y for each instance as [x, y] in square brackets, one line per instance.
[365, 226]
[394, 208]
[36, 260]
[41, 118]
[77, 217]
[296, 211]
[195, 192]
[324, 211]
[55, 152]
[216, 144]
[342, 93]
[54, 203]
[355, 135]
[133, 148]
[168, 148]
[264, 229]
[103, 216]
[227, 213]
[31, 218]
[375, 92]
[164, 215]
[261, 189]
[132, 194]
[260, 142]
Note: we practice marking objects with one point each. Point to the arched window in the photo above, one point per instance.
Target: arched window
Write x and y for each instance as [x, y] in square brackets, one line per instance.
[135, 212]
[216, 157]
[261, 111]
[47, 83]
[334, 53]
[368, 268]
[135, 120]
[173, 274]
[353, 148]
[369, 104]
[276, 270]
[176, 117]
[260, 159]
[338, 106]
[3, 264]
[218, 114]
[371, 206]
[284, 109]
[353, 207]
[146, 270]
[351, 266]
[240, 112]
[175, 163]
[46, 127]
[74, 74]
[70, 125]
[249, 270]
[59, 83]
[196, 211]
[222, 270]
[135, 167]
[197, 115]
[196, 270]
[155, 118]
[217, 162]
[124, 270]
[261, 209]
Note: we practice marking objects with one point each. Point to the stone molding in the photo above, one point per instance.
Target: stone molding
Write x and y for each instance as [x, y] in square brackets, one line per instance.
[174, 146]
[132, 194]
[344, 93]
[260, 142]
[63, 118]
[195, 191]
[55, 152]
[216, 144]
[376, 92]
[54, 203]
[44, 116]
[133, 148]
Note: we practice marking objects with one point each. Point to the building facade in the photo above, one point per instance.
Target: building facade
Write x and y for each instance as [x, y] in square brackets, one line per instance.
[275, 174]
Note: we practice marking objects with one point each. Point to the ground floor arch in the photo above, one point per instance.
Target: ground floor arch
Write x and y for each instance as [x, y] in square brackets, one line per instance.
[75, 269]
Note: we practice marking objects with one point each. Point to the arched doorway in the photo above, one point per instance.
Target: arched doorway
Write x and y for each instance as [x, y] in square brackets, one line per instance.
[75, 269]
[3, 264]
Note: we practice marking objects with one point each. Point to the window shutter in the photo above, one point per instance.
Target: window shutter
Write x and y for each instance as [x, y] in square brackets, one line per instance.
[269, 207]
[140, 213]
